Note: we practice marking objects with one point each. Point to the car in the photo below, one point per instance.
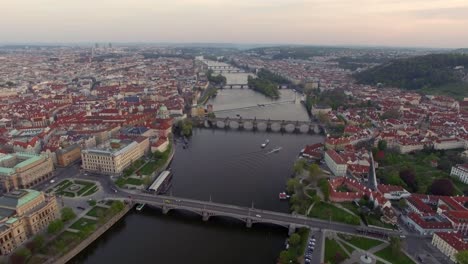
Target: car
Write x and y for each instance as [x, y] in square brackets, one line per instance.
[52, 181]
[177, 200]
[167, 201]
[258, 215]
[114, 190]
[79, 207]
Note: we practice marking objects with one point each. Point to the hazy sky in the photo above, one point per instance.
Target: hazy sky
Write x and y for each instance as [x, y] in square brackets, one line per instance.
[433, 23]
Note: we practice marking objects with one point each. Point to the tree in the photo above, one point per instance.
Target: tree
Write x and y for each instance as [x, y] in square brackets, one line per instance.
[314, 172]
[382, 145]
[402, 203]
[408, 176]
[462, 257]
[299, 166]
[55, 226]
[67, 214]
[294, 239]
[291, 185]
[20, 256]
[442, 187]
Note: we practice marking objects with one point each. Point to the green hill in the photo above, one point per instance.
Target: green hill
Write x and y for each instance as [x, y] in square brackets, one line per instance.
[434, 74]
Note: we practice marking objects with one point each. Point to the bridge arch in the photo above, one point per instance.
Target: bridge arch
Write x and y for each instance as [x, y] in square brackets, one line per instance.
[290, 128]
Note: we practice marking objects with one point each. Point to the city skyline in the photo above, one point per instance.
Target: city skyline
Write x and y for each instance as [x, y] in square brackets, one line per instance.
[412, 23]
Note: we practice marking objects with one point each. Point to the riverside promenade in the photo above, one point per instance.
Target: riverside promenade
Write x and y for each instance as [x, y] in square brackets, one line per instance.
[95, 235]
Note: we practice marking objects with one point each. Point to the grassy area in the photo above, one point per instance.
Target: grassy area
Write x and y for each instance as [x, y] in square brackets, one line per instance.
[375, 220]
[352, 207]
[360, 242]
[334, 254]
[67, 194]
[328, 211]
[86, 186]
[348, 247]
[97, 210]
[133, 167]
[82, 223]
[91, 191]
[63, 185]
[388, 255]
[133, 181]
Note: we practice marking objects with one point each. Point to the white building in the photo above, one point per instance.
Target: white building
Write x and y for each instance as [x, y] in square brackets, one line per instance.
[449, 143]
[449, 243]
[114, 159]
[335, 163]
[461, 172]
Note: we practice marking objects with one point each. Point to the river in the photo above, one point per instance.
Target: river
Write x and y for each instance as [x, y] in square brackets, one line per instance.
[230, 167]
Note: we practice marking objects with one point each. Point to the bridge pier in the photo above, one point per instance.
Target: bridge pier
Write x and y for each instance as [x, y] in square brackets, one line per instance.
[205, 216]
[165, 209]
[292, 229]
[248, 223]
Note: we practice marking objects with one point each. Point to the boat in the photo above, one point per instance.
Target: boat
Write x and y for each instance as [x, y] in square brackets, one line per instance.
[140, 207]
[283, 196]
[276, 149]
[265, 143]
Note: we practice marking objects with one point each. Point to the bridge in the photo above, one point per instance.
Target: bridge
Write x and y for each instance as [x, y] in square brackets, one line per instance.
[296, 100]
[260, 125]
[248, 215]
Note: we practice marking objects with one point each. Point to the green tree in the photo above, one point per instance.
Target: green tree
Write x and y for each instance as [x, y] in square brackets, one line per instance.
[67, 214]
[294, 239]
[462, 257]
[314, 172]
[299, 166]
[292, 184]
[402, 203]
[55, 226]
[382, 145]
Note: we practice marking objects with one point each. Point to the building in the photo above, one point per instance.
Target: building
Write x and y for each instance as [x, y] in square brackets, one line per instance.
[461, 172]
[68, 155]
[335, 163]
[23, 170]
[24, 213]
[115, 156]
[449, 243]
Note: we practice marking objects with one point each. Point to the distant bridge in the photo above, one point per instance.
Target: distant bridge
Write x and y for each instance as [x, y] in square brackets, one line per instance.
[261, 125]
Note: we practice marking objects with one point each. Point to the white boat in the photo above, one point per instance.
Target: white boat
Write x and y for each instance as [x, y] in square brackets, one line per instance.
[277, 149]
[140, 207]
[274, 150]
[266, 143]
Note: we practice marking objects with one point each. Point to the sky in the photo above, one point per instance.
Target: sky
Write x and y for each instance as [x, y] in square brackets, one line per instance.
[415, 23]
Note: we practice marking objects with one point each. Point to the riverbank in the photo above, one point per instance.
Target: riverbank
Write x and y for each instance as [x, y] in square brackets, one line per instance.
[95, 235]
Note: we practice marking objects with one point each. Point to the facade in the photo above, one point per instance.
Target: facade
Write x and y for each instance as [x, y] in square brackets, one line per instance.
[449, 243]
[461, 172]
[68, 155]
[23, 170]
[115, 157]
[24, 213]
[335, 163]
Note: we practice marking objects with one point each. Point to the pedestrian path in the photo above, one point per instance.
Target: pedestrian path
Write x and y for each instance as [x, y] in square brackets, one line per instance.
[354, 257]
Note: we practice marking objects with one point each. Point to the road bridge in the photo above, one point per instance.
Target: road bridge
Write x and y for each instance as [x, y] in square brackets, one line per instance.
[248, 215]
[255, 124]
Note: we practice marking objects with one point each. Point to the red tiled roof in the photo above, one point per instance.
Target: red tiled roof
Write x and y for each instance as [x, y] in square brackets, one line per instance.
[453, 239]
[335, 157]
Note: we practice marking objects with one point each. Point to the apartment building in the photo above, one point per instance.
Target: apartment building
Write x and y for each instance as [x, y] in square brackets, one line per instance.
[335, 163]
[461, 172]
